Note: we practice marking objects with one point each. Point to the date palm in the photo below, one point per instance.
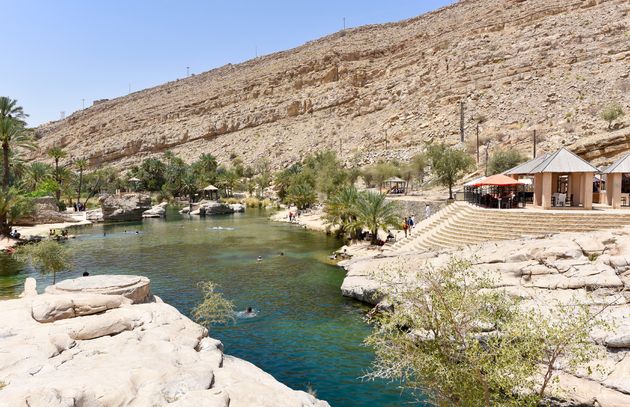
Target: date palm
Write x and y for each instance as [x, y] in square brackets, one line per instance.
[375, 213]
[13, 135]
[81, 165]
[9, 109]
[35, 174]
[57, 153]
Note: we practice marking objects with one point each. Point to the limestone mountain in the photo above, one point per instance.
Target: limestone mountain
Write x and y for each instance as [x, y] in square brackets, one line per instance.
[384, 90]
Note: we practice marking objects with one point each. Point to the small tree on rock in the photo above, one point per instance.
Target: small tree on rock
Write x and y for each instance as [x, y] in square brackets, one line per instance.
[503, 160]
[215, 308]
[611, 113]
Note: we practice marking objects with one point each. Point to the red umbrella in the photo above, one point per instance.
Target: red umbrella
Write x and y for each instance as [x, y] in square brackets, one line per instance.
[498, 180]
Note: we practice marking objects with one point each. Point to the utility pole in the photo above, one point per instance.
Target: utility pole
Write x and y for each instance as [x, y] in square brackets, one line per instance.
[461, 121]
[187, 71]
[477, 143]
[344, 24]
[340, 147]
[534, 143]
[83, 103]
[129, 89]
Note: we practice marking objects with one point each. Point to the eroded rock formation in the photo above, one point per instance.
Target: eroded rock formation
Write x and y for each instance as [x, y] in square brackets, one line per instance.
[124, 207]
[89, 344]
[591, 268]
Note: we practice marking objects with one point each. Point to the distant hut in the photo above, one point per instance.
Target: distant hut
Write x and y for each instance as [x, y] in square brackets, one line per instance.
[396, 185]
[211, 192]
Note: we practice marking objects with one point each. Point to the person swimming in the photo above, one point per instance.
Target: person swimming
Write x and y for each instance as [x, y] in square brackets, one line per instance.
[259, 258]
[248, 313]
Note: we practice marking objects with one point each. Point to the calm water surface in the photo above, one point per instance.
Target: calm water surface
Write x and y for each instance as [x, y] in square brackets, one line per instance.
[306, 333]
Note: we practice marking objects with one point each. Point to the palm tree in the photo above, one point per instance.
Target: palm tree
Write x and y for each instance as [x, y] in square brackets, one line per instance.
[341, 209]
[13, 205]
[9, 109]
[36, 173]
[57, 153]
[12, 135]
[81, 165]
[375, 213]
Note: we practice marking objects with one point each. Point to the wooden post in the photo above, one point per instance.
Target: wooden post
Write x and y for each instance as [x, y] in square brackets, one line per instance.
[534, 143]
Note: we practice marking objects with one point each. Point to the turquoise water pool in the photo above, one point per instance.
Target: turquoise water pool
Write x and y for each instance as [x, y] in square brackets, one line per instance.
[305, 334]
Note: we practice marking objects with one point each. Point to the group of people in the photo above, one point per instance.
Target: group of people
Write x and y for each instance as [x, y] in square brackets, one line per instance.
[78, 207]
[14, 234]
[56, 234]
[293, 216]
[408, 224]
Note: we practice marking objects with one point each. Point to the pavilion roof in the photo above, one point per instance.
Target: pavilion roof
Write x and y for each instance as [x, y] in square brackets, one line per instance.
[211, 188]
[562, 160]
[622, 165]
[395, 179]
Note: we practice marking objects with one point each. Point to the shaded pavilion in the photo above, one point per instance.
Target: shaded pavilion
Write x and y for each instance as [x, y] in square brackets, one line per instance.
[395, 185]
[495, 191]
[210, 191]
[561, 179]
[618, 182]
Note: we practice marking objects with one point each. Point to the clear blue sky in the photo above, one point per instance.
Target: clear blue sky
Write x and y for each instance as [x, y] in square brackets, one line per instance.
[56, 53]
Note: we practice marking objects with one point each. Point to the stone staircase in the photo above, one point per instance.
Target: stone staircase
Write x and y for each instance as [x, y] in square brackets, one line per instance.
[461, 224]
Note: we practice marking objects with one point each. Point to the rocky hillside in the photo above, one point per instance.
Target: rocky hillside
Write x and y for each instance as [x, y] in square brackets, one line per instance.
[383, 90]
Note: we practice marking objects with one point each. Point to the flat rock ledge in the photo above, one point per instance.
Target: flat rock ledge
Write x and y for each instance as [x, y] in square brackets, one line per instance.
[588, 268]
[103, 341]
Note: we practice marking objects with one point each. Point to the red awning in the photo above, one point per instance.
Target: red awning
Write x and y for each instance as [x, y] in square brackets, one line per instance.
[498, 180]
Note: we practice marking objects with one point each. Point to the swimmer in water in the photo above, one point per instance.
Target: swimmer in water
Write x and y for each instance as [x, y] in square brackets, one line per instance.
[249, 310]
[259, 258]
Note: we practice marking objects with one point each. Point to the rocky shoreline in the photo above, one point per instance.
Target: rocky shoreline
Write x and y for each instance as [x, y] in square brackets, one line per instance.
[590, 268]
[108, 341]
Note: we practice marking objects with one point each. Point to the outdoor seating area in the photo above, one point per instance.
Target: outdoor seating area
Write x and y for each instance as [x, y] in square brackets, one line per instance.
[561, 180]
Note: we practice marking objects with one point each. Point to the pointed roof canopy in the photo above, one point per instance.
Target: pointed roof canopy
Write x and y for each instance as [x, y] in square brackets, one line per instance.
[134, 179]
[211, 188]
[395, 180]
[562, 160]
[527, 167]
[621, 166]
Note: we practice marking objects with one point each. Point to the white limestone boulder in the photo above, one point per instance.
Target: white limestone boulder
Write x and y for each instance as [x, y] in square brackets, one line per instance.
[136, 288]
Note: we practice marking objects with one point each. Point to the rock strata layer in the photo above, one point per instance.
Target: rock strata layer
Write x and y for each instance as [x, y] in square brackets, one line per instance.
[589, 268]
[101, 350]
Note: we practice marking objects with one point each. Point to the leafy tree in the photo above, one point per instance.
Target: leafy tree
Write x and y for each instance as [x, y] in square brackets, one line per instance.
[283, 179]
[57, 153]
[228, 180]
[301, 194]
[611, 113]
[418, 165]
[462, 343]
[448, 165]
[47, 256]
[214, 309]
[375, 213]
[503, 160]
[379, 172]
[175, 170]
[81, 165]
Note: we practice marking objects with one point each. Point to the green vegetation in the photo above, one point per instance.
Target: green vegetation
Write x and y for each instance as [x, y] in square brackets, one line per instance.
[353, 211]
[47, 256]
[611, 113]
[461, 343]
[448, 165]
[215, 308]
[503, 160]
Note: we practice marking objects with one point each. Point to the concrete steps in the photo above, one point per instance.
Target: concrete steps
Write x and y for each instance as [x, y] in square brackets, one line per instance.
[461, 224]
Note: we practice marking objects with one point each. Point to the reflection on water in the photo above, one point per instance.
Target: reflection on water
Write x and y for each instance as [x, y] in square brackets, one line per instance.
[304, 331]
